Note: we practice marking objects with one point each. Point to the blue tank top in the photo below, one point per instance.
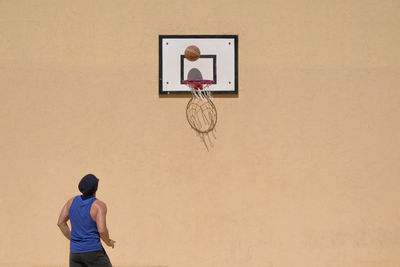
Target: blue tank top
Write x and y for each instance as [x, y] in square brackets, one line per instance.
[84, 234]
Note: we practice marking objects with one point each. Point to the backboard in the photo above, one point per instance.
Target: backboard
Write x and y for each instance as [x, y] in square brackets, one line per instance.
[218, 62]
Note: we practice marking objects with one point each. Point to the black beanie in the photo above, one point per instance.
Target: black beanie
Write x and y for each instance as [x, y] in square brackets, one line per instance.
[88, 185]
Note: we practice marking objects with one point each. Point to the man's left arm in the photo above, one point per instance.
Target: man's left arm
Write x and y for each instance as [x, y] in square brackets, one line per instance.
[63, 219]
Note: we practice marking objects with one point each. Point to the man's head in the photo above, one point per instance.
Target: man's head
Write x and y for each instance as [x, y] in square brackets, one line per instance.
[88, 185]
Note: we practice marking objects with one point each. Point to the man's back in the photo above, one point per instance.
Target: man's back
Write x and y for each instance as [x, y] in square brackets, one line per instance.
[84, 233]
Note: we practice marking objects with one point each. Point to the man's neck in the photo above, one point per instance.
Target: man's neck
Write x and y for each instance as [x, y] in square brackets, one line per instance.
[87, 197]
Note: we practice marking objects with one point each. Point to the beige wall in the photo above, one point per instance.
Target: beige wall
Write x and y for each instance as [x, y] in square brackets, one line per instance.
[305, 169]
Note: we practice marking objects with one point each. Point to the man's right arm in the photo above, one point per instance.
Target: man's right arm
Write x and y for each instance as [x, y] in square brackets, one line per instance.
[101, 212]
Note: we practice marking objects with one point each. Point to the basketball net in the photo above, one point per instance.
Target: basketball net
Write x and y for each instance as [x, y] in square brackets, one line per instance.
[201, 112]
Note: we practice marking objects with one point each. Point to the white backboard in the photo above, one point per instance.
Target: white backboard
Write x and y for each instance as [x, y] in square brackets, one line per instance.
[218, 62]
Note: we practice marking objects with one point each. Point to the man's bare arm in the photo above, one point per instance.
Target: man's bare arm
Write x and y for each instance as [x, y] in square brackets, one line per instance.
[63, 218]
[100, 218]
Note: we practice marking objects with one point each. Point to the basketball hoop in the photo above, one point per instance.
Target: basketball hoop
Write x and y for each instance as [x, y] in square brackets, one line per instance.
[199, 66]
[199, 87]
[198, 83]
[200, 111]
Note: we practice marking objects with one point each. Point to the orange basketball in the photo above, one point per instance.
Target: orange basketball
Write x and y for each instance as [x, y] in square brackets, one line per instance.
[192, 53]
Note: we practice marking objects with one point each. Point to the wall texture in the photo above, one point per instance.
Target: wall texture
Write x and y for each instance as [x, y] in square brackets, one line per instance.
[305, 169]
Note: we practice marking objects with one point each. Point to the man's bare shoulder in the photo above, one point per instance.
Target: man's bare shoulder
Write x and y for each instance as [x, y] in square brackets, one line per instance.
[100, 205]
[69, 202]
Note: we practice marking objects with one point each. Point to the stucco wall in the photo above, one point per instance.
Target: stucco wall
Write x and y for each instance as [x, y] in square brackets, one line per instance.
[305, 169]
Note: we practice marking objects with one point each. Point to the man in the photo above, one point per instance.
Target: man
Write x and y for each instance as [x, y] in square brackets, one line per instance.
[88, 225]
